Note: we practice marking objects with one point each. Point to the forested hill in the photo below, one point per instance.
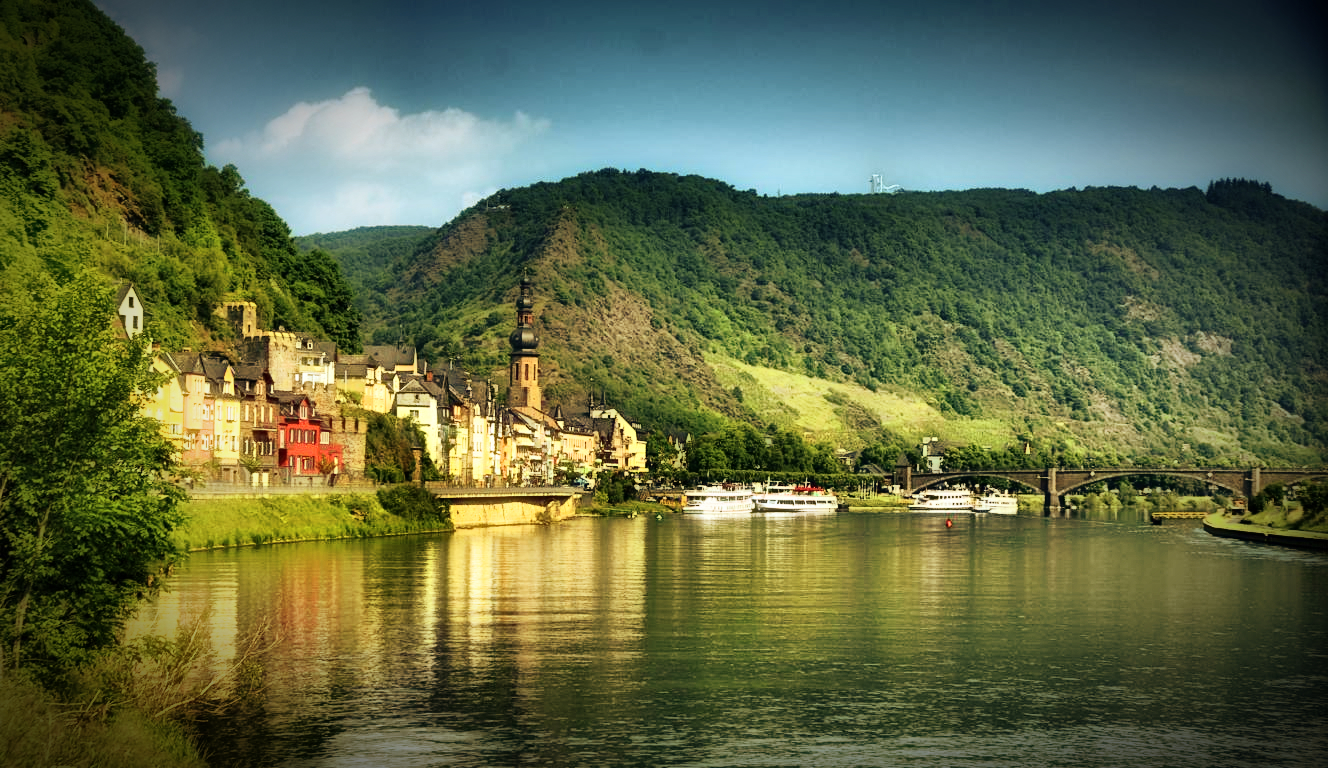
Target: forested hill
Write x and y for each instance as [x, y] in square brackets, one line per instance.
[99, 172]
[1173, 324]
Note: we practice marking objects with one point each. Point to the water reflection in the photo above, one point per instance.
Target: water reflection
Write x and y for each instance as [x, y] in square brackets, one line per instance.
[833, 640]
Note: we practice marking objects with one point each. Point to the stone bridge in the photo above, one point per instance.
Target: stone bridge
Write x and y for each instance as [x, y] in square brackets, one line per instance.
[518, 505]
[1054, 483]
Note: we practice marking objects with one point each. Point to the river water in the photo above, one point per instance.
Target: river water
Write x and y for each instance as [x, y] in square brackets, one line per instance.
[828, 640]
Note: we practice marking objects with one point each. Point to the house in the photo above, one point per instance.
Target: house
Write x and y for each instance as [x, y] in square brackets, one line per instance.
[932, 452]
[620, 446]
[167, 404]
[259, 424]
[304, 449]
[130, 310]
[365, 378]
[219, 376]
[420, 400]
[196, 447]
[401, 360]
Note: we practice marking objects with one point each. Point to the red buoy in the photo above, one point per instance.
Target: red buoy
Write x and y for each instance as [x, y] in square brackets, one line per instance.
[948, 523]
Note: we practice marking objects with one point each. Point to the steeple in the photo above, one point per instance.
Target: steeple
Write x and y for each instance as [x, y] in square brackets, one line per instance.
[523, 370]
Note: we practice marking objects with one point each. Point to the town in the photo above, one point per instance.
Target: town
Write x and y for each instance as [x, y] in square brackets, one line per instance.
[290, 410]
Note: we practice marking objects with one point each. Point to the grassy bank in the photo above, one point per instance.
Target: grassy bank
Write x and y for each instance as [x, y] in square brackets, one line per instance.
[624, 509]
[238, 522]
[36, 730]
[1287, 517]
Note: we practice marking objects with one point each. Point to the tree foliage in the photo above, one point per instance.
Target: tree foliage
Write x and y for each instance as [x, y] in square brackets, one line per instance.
[97, 170]
[86, 504]
[1142, 319]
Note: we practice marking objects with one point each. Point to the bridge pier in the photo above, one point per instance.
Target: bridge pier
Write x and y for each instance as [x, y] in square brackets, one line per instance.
[1051, 503]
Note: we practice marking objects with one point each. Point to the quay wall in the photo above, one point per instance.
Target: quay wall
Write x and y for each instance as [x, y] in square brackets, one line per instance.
[1218, 524]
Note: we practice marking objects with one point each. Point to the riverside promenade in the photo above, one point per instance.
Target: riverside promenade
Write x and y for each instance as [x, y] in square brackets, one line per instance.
[1220, 524]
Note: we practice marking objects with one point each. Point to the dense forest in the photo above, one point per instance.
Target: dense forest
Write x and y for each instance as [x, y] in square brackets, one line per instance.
[1098, 324]
[98, 172]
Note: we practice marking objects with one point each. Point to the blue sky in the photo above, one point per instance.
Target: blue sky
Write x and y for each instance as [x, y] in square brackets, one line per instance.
[345, 114]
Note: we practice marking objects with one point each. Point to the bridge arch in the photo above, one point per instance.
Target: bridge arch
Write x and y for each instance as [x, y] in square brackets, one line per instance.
[1222, 480]
[1054, 482]
[923, 482]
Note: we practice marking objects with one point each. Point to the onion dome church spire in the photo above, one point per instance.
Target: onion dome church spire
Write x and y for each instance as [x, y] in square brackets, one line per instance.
[523, 370]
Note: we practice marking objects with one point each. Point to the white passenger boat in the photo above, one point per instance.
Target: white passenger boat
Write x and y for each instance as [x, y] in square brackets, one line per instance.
[943, 501]
[790, 498]
[997, 504]
[718, 499]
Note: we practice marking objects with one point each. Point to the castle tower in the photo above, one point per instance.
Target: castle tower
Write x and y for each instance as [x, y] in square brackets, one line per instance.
[523, 370]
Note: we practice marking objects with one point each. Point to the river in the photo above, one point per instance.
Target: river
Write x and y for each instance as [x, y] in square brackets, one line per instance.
[826, 640]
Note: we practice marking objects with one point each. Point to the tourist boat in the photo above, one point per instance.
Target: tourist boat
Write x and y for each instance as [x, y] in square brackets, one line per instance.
[997, 504]
[790, 498]
[718, 499]
[943, 501]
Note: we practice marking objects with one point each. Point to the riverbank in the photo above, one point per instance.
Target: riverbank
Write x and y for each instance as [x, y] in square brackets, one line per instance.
[216, 523]
[1248, 529]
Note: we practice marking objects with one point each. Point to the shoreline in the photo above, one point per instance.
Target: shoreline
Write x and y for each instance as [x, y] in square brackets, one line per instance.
[1218, 524]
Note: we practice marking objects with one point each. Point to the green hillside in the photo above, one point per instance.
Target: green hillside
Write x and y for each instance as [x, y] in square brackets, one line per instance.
[98, 172]
[1158, 325]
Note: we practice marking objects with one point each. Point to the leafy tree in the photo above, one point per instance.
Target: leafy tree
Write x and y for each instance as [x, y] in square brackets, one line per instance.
[86, 504]
[1313, 501]
[390, 444]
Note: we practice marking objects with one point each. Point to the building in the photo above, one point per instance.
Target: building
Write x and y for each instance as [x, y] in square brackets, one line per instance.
[305, 450]
[420, 400]
[130, 310]
[523, 384]
[219, 376]
[259, 424]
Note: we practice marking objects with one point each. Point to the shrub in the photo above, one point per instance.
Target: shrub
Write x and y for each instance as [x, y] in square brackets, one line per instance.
[412, 502]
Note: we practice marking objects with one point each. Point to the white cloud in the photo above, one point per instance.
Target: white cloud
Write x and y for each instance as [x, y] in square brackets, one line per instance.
[349, 162]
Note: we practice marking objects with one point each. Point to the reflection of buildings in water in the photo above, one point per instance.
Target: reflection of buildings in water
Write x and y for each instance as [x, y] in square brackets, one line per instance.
[314, 597]
[521, 598]
[429, 602]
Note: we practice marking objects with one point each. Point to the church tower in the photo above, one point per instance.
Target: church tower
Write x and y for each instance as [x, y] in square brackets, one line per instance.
[523, 370]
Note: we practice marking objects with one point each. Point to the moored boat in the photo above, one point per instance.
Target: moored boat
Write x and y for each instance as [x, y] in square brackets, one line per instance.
[801, 498]
[997, 503]
[943, 501]
[718, 499]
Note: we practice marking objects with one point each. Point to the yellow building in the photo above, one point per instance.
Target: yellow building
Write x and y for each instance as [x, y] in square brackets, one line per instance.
[167, 404]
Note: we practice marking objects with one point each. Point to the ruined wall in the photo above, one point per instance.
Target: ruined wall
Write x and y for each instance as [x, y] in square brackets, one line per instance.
[351, 435]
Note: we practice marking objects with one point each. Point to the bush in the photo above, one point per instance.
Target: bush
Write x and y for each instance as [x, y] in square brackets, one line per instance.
[413, 502]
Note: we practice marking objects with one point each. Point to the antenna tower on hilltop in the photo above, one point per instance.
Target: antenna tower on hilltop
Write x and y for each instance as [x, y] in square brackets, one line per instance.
[878, 185]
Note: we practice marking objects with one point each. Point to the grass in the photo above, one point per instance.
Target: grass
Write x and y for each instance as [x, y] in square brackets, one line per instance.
[819, 407]
[1287, 517]
[36, 729]
[237, 522]
[625, 509]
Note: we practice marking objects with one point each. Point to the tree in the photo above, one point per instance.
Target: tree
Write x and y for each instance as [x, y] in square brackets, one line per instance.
[86, 503]
[1313, 501]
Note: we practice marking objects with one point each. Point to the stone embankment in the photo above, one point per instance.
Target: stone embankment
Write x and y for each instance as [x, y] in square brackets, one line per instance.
[1220, 524]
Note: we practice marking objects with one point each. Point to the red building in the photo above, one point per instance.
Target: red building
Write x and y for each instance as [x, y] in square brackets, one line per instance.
[304, 447]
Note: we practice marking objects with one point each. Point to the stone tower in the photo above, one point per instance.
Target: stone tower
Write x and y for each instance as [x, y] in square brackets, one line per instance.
[523, 370]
